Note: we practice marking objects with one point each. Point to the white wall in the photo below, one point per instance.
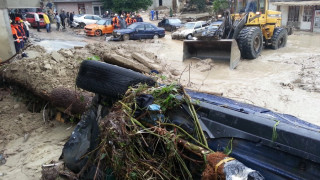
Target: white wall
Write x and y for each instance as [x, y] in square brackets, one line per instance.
[23, 3]
[272, 7]
[7, 48]
[73, 7]
[284, 15]
[167, 3]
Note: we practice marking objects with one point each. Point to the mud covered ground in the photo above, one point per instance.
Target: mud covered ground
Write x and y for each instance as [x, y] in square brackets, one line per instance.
[286, 80]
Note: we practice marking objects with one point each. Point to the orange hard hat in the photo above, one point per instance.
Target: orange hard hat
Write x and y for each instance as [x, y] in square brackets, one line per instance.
[17, 19]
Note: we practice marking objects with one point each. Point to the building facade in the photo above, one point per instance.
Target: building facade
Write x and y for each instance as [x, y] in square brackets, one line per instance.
[174, 4]
[80, 6]
[302, 14]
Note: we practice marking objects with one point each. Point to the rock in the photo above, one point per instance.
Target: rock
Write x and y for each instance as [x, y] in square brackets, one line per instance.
[67, 53]
[78, 47]
[57, 56]
[175, 72]
[5, 107]
[62, 72]
[33, 54]
[26, 137]
[20, 117]
[14, 68]
[16, 106]
[47, 66]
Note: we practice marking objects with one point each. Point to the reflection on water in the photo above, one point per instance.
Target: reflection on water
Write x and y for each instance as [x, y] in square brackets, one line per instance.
[55, 45]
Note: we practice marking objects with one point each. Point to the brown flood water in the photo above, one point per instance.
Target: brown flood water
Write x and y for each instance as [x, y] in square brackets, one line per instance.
[268, 81]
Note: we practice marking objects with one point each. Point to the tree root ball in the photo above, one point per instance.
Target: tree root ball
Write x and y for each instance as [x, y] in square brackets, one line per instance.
[73, 102]
[209, 172]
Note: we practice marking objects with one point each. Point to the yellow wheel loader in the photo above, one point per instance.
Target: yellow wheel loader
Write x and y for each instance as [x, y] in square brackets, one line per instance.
[241, 34]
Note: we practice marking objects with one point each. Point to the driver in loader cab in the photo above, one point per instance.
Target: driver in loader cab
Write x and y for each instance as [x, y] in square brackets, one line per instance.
[251, 6]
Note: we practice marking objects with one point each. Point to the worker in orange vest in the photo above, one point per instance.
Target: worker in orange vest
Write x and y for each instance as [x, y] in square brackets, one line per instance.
[133, 19]
[20, 33]
[20, 28]
[115, 22]
[25, 29]
[15, 37]
[128, 20]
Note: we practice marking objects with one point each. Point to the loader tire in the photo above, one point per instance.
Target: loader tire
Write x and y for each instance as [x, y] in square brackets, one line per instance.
[279, 38]
[250, 42]
[107, 79]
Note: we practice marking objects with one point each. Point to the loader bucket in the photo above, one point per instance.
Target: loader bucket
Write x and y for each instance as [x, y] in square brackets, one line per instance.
[225, 49]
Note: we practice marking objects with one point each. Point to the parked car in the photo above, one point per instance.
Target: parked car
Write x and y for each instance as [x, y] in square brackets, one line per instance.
[186, 32]
[31, 20]
[103, 26]
[139, 30]
[85, 19]
[170, 24]
[208, 31]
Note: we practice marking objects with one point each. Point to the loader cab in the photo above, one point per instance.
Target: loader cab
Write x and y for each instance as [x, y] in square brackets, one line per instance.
[247, 6]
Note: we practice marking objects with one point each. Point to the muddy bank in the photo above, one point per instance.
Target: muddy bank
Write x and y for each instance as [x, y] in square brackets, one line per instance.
[26, 141]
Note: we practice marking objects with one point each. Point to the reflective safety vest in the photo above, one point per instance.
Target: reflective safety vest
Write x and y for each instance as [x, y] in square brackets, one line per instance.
[128, 20]
[19, 33]
[15, 33]
[20, 30]
[115, 21]
[133, 20]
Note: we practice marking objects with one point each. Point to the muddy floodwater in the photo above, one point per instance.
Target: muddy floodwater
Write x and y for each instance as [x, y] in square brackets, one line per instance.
[286, 80]
[55, 45]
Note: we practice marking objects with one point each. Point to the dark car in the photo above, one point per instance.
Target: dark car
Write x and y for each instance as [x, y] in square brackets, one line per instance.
[139, 30]
[279, 146]
[170, 24]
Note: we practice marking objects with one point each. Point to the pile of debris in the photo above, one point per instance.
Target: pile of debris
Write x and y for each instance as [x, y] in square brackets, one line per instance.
[49, 74]
[151, 131]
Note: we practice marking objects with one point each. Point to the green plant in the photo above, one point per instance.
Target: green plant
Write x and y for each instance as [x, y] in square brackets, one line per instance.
[94, 58]
[72, 120]
[200, 4]
[163, 77]
[125, 5]
[274, 131]
[220, 5]
[228, 149]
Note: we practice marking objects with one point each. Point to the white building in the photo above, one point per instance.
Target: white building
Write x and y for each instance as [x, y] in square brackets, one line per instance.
[80, 6]
[174, 4]
[302, 14]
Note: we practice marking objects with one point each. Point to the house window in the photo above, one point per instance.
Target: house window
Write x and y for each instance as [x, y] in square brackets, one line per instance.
[160, 2]
[98, 10]
[293, 14]
[307, 13]
[81, 9]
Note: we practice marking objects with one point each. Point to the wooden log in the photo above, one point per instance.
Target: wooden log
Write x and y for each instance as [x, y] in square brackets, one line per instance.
[125, 62]
[146, 61]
